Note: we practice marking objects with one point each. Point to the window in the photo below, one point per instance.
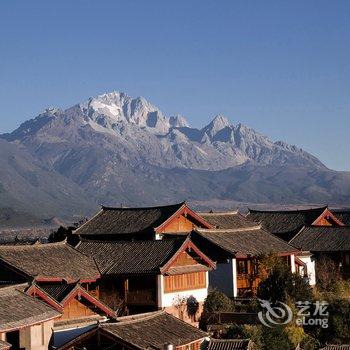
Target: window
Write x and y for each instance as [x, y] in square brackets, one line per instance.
[242, 267]
[347, 259]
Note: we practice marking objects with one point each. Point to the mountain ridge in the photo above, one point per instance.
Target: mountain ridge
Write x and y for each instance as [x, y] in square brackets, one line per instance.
[216, 146]
[113, 148]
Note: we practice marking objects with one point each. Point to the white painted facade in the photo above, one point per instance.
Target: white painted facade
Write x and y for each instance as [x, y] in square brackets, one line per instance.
[35, 337]
[308, 259]
[168, 299]
[292, 263]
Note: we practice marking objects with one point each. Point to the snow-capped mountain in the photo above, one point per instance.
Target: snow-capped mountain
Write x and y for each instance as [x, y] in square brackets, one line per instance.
[137, 131]
[119, 149]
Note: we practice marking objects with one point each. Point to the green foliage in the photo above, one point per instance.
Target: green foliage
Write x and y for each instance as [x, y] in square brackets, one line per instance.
[276, 339]
[216, 301]
[245, 306]
[252, 332]
[280, 337]
[283, 285]
[327, 274]
[295, 334]
[338, 330]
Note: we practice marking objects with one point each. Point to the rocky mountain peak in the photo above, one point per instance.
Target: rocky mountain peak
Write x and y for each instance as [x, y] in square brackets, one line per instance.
[107, 110]
[178, 121]
[219, 123]
[130, 127]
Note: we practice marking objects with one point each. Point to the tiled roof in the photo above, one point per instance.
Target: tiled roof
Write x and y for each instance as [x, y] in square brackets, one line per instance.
[343, 215]
[119, 221]
[4, 345]
[50, 261]
[154, 330]
[252, 241]
[131, 257]
[230, 220]
[336, 347]
[18, 309]
[285, 223]
[229, 344]
[323, 239]
[58, 291]
[60, 294]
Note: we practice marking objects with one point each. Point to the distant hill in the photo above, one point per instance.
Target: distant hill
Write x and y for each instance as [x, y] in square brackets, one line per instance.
[30, 192]
[116, 149]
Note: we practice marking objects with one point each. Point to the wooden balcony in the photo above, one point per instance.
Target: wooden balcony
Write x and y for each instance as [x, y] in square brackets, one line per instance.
[141, 297]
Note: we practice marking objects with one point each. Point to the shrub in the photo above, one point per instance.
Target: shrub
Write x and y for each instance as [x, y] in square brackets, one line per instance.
[283, 285]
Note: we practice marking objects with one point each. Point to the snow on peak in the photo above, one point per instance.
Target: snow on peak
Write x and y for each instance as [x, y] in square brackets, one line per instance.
[219, 123]
[110, 109]
[178, 121]
[50, 111]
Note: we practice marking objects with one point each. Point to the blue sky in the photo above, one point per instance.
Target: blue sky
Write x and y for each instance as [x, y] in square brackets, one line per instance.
[281, 67]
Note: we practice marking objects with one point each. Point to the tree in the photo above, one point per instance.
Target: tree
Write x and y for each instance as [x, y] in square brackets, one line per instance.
[327, 273]
[215, 302]
[283, 285]
[245, 331]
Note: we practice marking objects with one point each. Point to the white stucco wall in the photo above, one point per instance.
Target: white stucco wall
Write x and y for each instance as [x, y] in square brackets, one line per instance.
[292, 263]
[36, 337]
[167, 299]
[309, 260]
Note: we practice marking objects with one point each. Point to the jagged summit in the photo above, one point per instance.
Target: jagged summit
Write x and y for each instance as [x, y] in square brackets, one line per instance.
[178, 121]
[116, 148]
[218, 123]
[134, 130]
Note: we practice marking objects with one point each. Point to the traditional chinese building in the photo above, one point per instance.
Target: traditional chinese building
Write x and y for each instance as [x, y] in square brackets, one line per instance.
[287, 223]
[59, 275]
[237, 253]
[25, 322]
[343, 215]
[155, 330]
[71, 300]
[227, 220]
[140, 223]
[333, 242]
[142, 276]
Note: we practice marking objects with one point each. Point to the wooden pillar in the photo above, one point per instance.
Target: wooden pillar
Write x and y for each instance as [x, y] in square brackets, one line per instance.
[126, 290]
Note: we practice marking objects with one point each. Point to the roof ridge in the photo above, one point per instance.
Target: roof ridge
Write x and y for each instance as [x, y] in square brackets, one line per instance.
[41, 302]
[13, 287]
[326, 227]
[219, 213]
[228, 340]
[144, 241]
[230, 230]
[136, 318]
[33, 246]
[287, 210]
[143, 208]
